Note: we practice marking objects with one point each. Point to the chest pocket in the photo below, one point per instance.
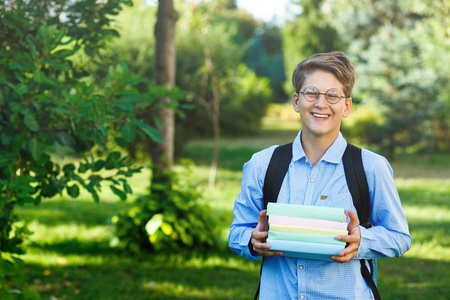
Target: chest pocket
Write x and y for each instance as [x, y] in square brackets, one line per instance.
[341, 200]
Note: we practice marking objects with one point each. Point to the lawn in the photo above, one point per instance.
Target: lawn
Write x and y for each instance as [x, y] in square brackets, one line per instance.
[69, 257]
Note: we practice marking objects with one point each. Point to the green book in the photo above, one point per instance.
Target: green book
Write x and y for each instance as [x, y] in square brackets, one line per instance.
[305, 237]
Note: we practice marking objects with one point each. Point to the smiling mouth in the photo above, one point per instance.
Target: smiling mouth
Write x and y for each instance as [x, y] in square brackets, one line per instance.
[320, 116]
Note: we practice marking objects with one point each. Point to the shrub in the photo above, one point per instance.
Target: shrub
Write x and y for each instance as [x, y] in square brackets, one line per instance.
[169, 217]
[363, 124]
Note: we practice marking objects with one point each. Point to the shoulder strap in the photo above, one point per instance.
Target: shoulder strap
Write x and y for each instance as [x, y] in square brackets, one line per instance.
[276, 171]
[357, 184]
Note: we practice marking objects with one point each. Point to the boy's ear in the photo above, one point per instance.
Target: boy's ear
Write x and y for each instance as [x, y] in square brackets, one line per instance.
[348, 107]
[295, 100]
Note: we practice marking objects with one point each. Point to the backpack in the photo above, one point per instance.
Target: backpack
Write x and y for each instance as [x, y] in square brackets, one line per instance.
[356, 181]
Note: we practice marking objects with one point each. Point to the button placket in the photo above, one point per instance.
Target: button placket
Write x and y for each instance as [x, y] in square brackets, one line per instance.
[310, 187]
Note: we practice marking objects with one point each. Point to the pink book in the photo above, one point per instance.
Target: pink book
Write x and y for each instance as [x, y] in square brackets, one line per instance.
[292, 221]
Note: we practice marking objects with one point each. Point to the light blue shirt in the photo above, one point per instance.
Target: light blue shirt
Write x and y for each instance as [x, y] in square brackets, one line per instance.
[293, 278]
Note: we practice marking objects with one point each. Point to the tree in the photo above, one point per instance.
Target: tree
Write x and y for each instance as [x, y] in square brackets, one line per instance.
[169, 217]
[213, 110]
[265, 57]
[49, 105]
[396, 47]
[241, 110]
[165, 57]
[311, 32]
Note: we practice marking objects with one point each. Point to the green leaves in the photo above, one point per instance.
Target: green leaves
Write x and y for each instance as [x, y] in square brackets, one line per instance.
[73, 191]
[20, 89]
[129, 133]
[49, 105]
[35, 148]
[122, 195]
[154, 224]
[30, 121]
[149, 130]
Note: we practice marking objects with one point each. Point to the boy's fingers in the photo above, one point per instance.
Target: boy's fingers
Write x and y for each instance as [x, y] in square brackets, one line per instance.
[353, 219]
[349, 238]
[342, 259]
[273, 253]
[259, 234]
[351, 248]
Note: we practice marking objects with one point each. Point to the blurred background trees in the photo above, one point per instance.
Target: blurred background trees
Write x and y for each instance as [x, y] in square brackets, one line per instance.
[399, 50]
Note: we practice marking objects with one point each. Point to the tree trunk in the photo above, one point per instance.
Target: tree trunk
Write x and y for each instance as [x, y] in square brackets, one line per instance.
[163, 153]
[214, 113]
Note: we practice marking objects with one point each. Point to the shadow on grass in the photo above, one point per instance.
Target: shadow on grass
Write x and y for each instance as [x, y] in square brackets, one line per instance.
[55, 212]
[159, 277]
[151, 277]
[74, 246]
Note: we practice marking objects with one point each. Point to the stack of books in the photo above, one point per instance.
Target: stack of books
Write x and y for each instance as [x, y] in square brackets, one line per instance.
[306, 231]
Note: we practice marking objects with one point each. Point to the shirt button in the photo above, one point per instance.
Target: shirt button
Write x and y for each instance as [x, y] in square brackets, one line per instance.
[312, 180]
[301, 267]
[302, 296]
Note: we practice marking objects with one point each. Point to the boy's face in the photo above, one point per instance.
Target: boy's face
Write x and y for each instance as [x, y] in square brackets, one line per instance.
[320, 118]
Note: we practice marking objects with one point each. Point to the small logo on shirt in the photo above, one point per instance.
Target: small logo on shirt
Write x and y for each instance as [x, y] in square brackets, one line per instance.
[323, 197]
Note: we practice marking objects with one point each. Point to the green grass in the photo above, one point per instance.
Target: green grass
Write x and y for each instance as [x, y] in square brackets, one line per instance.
[68, 256]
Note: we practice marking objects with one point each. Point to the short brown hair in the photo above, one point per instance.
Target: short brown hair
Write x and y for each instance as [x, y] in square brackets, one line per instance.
[336, 63]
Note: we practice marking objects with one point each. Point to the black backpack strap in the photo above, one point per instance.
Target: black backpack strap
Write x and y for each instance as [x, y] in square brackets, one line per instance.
[357, 184]
[276, 171]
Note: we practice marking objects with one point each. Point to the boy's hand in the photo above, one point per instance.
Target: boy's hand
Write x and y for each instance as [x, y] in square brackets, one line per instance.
[352, 240]
[259, 236]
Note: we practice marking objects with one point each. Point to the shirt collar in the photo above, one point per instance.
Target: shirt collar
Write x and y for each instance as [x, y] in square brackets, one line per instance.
[333, 154]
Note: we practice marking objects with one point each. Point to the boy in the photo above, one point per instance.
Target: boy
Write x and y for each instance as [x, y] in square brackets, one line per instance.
[323, 84]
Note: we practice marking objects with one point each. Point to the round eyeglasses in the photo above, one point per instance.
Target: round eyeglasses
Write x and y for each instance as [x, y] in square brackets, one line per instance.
[311, 94]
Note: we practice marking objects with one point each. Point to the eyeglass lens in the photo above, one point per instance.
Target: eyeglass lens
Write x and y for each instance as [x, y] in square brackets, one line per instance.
[311, 93]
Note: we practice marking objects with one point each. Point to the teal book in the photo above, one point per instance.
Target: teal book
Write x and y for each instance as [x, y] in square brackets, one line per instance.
[306, 250]
[305, 211]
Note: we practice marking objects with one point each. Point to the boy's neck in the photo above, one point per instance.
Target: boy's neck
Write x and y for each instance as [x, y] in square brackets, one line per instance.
[315, 147]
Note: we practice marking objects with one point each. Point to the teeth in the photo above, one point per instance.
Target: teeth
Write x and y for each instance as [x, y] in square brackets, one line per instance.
[320, 116]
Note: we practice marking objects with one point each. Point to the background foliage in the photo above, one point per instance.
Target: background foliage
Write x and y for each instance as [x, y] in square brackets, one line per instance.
[396, 47]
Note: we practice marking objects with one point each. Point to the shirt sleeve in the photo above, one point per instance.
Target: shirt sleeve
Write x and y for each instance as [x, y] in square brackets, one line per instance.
[249, 203]
[389, 236]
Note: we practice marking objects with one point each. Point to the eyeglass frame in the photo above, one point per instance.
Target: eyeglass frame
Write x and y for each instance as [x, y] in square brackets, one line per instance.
[319, 93]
